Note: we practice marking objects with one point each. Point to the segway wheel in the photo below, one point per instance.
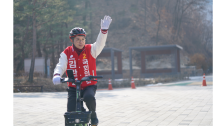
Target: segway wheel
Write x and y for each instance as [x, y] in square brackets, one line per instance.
[66, 124]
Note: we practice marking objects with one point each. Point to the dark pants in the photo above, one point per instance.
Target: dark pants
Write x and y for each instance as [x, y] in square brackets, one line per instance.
[88, 95]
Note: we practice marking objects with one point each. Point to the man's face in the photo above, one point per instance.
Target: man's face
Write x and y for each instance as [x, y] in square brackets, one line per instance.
[79, 41]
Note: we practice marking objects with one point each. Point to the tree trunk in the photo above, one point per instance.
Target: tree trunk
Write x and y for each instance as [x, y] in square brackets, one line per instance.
[22, 44]
[33, 50]
[61, 40]
[158, 28]
[179, 24]
[53, 60]
[176, 15]
[145, 16]
[181, 16]
[46, 56]
[52, 55]
[84, 16]
[68, 39]
[91, 24]
[38, 49]
[168, 6]
[23, 54]
[175, 19]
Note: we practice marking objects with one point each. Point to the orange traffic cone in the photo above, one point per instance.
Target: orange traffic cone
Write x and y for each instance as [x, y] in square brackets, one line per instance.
[132, 84]
[109, 85]
[204, 81]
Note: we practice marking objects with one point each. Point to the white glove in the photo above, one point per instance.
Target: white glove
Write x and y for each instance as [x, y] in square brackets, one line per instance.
[57, 79]
[105, 23]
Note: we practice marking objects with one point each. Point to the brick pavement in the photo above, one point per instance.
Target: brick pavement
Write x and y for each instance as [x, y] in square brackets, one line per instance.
[143, 106]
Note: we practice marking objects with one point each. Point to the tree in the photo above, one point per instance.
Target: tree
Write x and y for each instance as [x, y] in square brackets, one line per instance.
[180, 22]
[181, 9]
[41, 13]
[199, 61]
[158, 22]
[22, 30]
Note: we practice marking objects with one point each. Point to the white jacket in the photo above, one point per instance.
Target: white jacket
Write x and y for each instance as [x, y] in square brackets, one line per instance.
[96, 49]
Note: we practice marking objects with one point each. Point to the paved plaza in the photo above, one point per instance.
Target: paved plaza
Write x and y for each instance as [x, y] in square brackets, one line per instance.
[184, 103]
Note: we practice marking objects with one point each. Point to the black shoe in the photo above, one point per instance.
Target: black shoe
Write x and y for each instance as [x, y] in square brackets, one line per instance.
[94, 121]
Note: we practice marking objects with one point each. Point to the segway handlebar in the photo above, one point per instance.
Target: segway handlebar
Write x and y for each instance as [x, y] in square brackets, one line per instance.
[88, 78]
[64, 80]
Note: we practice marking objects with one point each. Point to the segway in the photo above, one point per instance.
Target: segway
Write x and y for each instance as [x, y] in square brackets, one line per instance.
[78, 117]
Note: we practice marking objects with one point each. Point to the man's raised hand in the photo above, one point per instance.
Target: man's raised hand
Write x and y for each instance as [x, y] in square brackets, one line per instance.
[105, 23]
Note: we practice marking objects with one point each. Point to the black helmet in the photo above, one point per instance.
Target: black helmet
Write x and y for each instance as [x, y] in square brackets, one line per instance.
[77, 31]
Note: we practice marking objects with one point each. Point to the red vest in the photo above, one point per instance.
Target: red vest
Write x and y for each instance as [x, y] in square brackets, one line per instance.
[82, 65]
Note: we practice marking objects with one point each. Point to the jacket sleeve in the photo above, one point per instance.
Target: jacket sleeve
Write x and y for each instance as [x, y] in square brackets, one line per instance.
[62, 64]
[98, 46]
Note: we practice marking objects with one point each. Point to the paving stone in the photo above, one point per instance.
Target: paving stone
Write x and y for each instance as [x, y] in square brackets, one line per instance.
[143, 106]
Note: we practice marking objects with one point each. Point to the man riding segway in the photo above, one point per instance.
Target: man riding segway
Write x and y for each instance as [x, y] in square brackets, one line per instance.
[81, 58]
